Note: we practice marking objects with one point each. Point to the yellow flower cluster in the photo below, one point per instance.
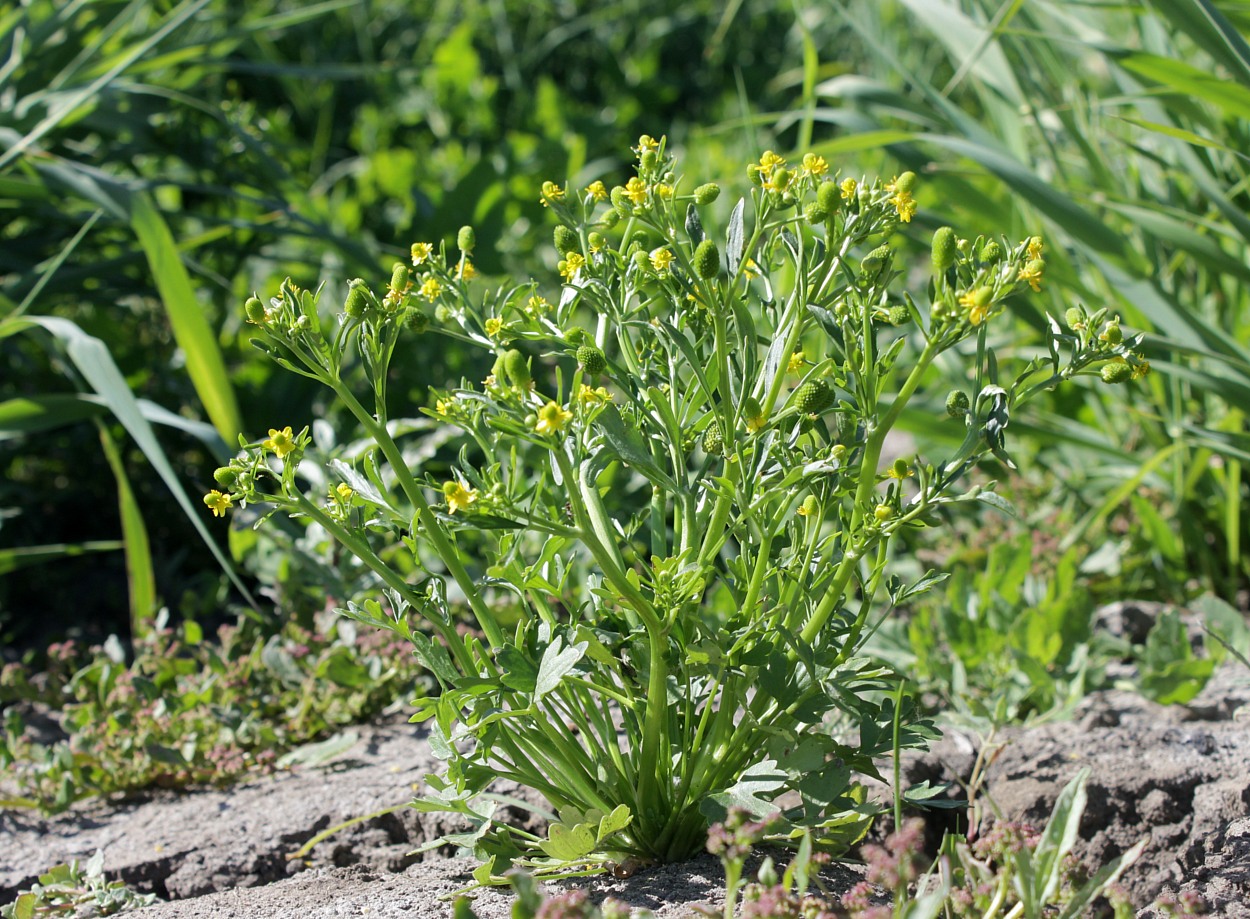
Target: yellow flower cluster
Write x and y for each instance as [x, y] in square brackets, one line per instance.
[552, 418]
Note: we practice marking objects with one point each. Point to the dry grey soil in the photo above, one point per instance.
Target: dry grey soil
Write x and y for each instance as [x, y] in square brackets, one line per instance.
[1180, 775]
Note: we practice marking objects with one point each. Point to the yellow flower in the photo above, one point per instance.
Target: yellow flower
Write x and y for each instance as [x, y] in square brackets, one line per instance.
[597, 396]
[465, 271]
[430, 289]
[571, 264]
[494, 326]
[664, 191]
[597, 191]
[1035, 248]
[636, 190]
[551, 192]
[814, 165]
[536, 306]
[905, 205]
[809, 506]
[280, 442]
[344, 492]
[750, 269]
[977, 303]
[770, 161]
[796, 362]
[882, 513]
[661, 259]
[218, 503]
[458, 497]
[1032, 272]
[421, 253]
[552, 418]
[647, 144]
[849, 188]
[1140, 369]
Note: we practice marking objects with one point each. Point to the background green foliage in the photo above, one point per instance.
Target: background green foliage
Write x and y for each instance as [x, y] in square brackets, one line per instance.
[279, 138]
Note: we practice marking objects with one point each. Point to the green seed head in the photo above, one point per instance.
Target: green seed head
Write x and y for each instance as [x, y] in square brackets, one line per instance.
[1116, 371]
[706, 194]
[255, 311]
[357, 303]
[1112, 334]
[813, 397]
[943, 250]
[610, 218]
[466, 239]
[781, 178]
[516, 368]
[957, 403]
[828, 196]
[399, 277]
[815, 214]
[226, 476]
[1074, 318]
[991, 253]
[567, 240]
[713, 443]
[875, 261]
[442, 314]
[418, 321]
[706, 260]
[899, 314]
[905, 182]
[591, 359]
[597, 240]
[648, 160]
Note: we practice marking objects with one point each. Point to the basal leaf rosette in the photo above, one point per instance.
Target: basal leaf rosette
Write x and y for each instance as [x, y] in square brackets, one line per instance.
[667, 516]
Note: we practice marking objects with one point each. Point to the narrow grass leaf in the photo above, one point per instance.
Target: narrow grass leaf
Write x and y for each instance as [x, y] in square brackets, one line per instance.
[140, 574]
[24, 556]
[96, 365]
[205, 364]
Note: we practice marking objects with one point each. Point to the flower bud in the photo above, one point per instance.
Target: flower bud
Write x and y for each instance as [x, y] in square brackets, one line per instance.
[706, 194]
[566, 240]
[943, 250]
[357, 303]
[882, 512]
[1074, 318]
[788, 200]
[597, 240]
[591, 359]
[1116, 371]
[1112, 334]
[753, 173]
[466, 239]
[641, 258]
[443, 314]
[813, 397]
[226, 476]
[781, 178]
[516, 368]
[957, 403]
[706, 260]
[255, 311]
[809, 507]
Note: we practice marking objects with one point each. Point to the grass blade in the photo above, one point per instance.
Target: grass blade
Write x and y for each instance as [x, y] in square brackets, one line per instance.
[204, 361]
[140, 574]
[96, 365]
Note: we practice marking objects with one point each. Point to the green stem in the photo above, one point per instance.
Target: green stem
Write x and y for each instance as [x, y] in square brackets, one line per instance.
[864, 492]
[433, 529]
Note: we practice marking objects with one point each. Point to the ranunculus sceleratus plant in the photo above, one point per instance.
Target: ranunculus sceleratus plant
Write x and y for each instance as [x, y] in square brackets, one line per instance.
[670, 519]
